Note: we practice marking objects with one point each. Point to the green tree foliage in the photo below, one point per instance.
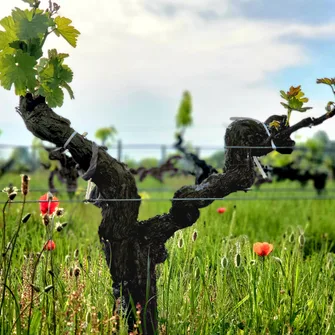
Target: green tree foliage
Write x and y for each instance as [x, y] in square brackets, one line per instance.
[21, 63]
[184, 115]
[106, 135]
[312, 157]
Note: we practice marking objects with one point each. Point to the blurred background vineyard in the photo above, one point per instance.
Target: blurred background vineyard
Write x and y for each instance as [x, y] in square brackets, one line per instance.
[312, 159]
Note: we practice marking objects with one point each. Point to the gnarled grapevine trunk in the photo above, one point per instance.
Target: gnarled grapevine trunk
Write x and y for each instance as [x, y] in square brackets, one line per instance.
[133, 248]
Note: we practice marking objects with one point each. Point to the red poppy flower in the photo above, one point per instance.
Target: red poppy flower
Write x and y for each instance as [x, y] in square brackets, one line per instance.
[263, 248]
[221, 210]
[48, 206]
[50, 245]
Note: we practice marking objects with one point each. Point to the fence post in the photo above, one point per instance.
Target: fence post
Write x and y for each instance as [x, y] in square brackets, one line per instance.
[163, 153]
[119, 150]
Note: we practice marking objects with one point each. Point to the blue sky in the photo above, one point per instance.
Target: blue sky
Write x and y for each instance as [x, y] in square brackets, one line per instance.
[135, 58]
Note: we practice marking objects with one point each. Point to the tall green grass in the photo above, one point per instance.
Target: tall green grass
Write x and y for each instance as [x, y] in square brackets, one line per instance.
[214, 284]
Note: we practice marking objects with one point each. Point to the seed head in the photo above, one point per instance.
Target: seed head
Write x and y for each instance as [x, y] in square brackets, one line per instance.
[76, 272]
[24, 184]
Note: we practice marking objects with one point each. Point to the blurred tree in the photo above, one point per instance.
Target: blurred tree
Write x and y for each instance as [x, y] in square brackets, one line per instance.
[311, 162]
[106, 135]
[184, 114]
[322, 136]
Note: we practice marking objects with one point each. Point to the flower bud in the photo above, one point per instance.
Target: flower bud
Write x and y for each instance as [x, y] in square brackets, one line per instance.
[224, 262]
[26, 218]
[291, 238]
[12, 196]
[237, 260]
[48, 288]
[60, 212]
[180, 243]
[46, 219]
[76, 253]
[194, 236]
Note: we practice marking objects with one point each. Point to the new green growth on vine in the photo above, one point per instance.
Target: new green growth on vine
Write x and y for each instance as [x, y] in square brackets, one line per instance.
[22, 64]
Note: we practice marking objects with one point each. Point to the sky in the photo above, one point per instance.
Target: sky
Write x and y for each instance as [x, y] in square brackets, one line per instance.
[135, 58]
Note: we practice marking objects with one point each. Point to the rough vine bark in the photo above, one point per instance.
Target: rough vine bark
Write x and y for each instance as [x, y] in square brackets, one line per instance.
[133, 248]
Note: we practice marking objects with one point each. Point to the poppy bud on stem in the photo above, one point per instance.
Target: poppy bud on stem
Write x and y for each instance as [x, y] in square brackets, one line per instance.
[12, 196]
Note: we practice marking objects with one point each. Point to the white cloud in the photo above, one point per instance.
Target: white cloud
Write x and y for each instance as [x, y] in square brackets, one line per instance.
[125, 48]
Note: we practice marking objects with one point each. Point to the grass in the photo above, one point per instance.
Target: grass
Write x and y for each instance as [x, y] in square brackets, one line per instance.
[214, 284]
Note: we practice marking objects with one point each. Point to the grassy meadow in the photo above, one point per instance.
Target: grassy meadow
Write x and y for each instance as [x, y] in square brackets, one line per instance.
[212, 282]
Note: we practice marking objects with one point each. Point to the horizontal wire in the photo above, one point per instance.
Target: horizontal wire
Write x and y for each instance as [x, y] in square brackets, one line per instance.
[175, 199]
[158, 190]
[170, 146]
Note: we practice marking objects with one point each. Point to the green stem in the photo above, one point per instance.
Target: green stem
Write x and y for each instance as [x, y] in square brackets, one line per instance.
[289, 111]
[32, 290]
[4, 262]
[11, 254]
[4, 234]
[22, 311]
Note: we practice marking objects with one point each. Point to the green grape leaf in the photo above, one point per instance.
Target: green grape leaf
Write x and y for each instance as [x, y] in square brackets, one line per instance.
[65, 74]
[18, 70]
[42, 64]
[35, 48]
[69, 89]
[19, 45]
[327, 81]
[300, 97]
[54, 74]
[303, 109]
[54, 97]
[293, 91]
[8, 36]
[285, 105]
[283, 95]
[64, 29]
[30, 25]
